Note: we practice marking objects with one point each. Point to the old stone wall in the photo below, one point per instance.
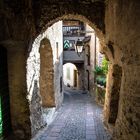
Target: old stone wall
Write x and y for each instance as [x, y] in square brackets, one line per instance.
[19, 106]
[36, 115]
[89, 54]
[94, 47]
[24, 20]
[49, 11]
[100, 94]
[81, 76]
[113, 93]
[122, 41]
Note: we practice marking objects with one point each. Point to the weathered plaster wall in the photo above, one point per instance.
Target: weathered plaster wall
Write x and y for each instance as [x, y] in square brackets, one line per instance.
[54, 34]
[94, 45]
[46, 79]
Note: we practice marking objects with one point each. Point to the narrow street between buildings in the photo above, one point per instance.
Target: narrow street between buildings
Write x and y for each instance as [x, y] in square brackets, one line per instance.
[79, 118]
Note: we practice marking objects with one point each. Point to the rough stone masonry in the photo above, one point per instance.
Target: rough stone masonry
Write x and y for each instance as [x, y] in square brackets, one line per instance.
[116, 23]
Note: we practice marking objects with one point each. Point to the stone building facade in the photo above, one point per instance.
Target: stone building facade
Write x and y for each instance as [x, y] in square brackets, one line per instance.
[93, 57]
[72, 32]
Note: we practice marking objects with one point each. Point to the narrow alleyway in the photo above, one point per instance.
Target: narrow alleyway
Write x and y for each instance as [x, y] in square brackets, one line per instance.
[79, 118]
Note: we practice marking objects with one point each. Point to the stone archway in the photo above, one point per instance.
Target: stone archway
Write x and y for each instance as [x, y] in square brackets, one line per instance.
[46, 79]
[43, 71]
[98, 31]
[48, 12]
[23, 20]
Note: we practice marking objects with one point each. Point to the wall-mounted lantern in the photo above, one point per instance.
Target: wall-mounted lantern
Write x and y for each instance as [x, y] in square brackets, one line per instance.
[79, 47]
[80, 44]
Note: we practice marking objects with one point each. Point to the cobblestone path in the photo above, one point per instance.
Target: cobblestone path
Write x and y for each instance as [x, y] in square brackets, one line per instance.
[79, 118]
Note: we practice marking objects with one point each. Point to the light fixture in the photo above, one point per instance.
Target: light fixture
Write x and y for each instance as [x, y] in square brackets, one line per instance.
[79, 47]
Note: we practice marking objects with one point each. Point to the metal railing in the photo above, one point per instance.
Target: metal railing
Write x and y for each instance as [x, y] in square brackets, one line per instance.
[73, 30]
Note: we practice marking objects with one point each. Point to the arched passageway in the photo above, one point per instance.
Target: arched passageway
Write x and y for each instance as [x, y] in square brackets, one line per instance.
[114, 20]
[70, 72]
[70, 75]
[46, 57]
[74, 76]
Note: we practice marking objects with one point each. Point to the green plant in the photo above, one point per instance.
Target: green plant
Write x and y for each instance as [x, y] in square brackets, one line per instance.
[98, 70]
[101, 72]
[105, 66]
[101, 80]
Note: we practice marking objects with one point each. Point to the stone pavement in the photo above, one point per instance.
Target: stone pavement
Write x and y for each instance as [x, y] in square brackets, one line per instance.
[79, 118]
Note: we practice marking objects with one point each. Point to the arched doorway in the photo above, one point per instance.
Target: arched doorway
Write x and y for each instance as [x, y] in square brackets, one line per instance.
[70, 75]
[46, 79]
